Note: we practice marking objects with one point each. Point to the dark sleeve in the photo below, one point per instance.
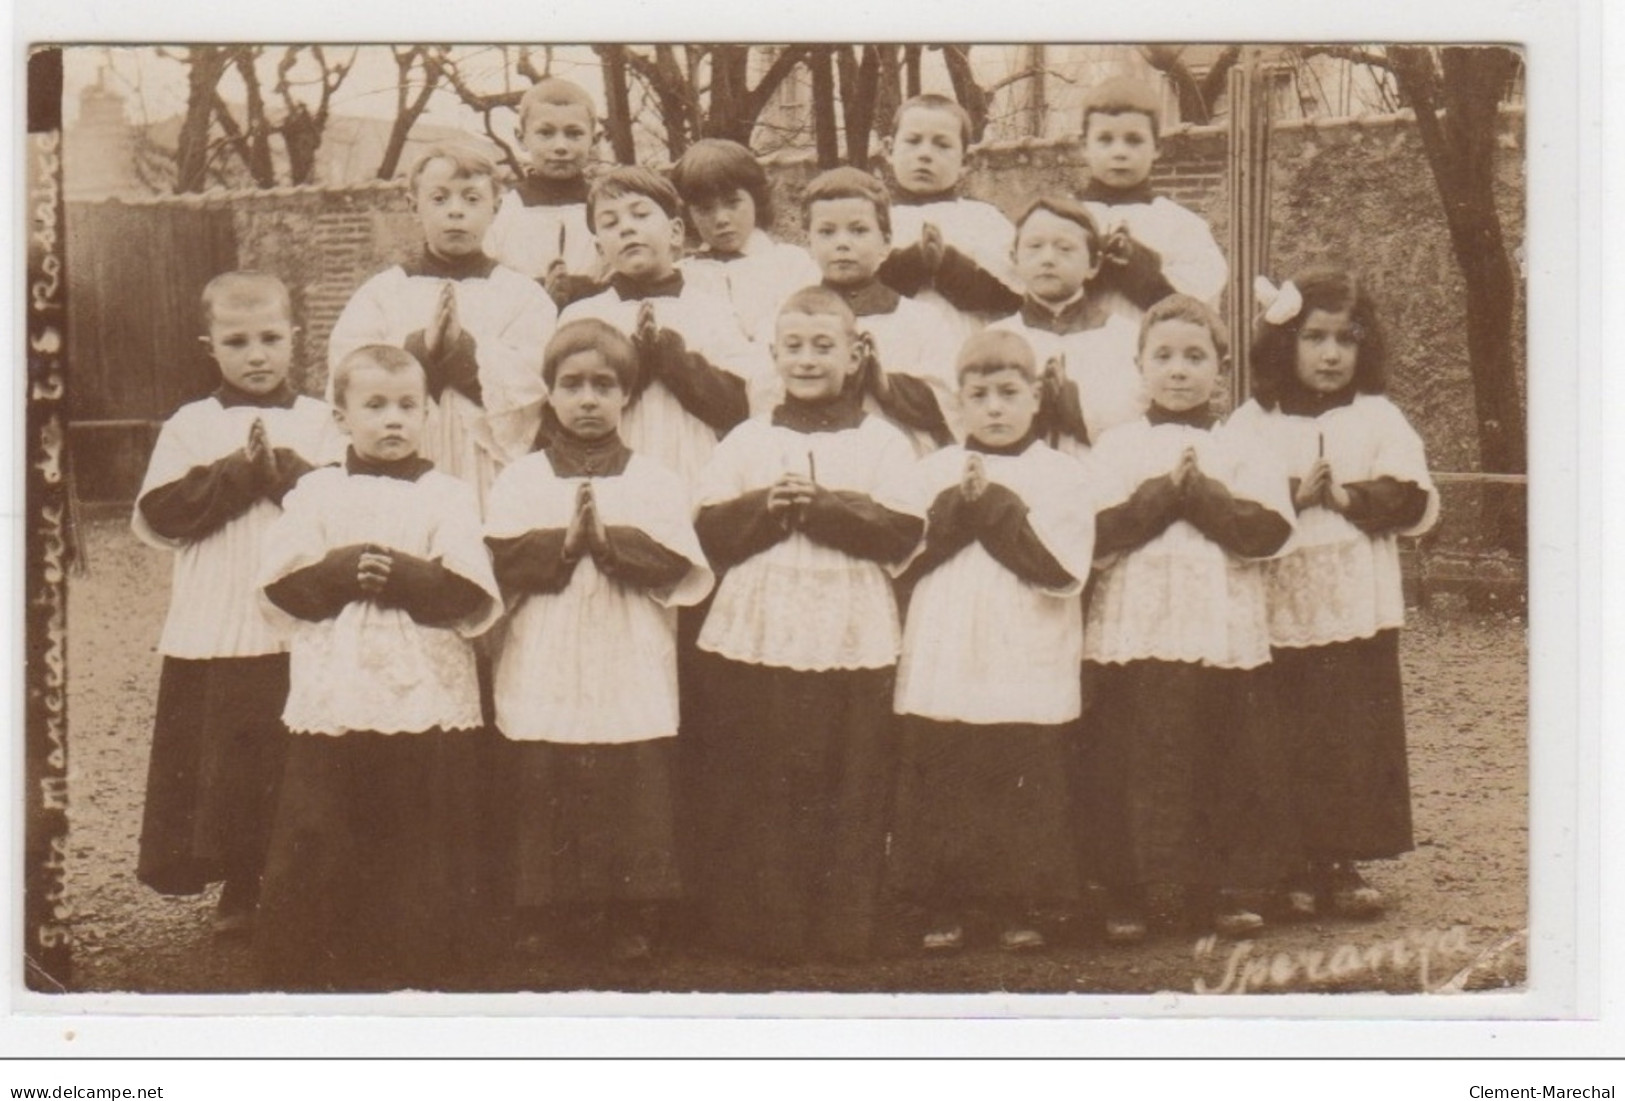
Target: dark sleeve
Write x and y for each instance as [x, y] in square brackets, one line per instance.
[904, 270]
[428, 592]
[1060, 413]
[911, 402]
[532, 563]
[290, 467]
[735, 530]
[1140, 279]
[948, 531]
[572, 288]
[321, 590]
[1385, 504]
[204, 500]
[715, 396]
[853, 523]
[971, 287]
[1138, 520]
[1006, 531]
[634, 559]
[456, 366]
[1242, 527]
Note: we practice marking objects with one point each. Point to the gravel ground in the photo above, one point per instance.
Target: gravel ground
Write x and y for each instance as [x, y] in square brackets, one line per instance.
[1458, 903]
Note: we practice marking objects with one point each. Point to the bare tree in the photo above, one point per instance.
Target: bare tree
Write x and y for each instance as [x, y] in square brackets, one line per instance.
[826, 140]
[302, 125]
[250, 139]
[698, 91]
[412, 95]
[1198, 96]
[971, 96]
[859, 91]
[618, 106]
[1456, 92]
[492, 105]
[205, 65]
[214, 133]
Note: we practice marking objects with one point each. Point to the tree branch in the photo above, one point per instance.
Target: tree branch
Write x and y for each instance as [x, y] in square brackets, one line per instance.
[777, 73]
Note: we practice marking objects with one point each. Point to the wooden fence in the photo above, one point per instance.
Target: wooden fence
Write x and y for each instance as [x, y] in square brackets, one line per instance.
[134, 276]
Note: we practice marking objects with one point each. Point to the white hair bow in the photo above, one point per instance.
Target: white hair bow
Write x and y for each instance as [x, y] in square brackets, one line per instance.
[1281, 304]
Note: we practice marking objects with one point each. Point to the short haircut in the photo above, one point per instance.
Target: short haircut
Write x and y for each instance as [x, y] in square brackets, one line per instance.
[819, 301]
[589, 334]
[1123, 95]
[245, 288]
[932, 101]
[993, 350]
[847, 183]
[713, 169]
[1274, 358]
[553, 91]
[466, 164]
[1182, 307]
[632, 180]
[385, 357]
[1061, 207]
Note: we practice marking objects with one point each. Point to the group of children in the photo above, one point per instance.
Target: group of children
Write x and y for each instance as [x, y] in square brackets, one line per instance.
[789, 583]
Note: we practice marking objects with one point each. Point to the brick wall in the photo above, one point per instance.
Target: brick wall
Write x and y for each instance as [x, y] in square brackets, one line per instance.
[325, 243]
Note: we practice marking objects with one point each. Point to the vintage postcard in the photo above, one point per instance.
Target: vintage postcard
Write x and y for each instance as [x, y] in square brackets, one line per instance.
[1037, 528]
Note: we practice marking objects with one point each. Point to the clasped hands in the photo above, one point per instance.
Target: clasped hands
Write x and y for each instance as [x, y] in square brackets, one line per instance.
[446, 329]
[1321, 487]
[586, 534]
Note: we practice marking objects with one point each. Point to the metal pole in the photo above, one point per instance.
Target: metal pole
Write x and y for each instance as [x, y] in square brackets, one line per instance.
[1249, 208]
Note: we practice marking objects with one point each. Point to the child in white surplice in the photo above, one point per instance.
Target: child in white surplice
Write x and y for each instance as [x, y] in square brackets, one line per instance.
[988, 686]
[1183, 782]
[378, 569]
[802, 643]
[215, 484]
[595, 549]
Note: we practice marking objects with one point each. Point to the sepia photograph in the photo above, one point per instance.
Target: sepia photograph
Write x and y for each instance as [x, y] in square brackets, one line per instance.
[853, 518]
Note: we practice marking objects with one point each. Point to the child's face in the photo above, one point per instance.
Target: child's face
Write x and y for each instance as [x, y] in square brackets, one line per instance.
[253, 344]
[998, 407]
[725, 222]
[587, 396]
[1053, 257]
[845, 240]
[814, 354]
[1119, 149]
[383, 412]
[635, 237]
[558, 139]
[454, 211]
[928, 152]
[1180, 364]
[1327, 351]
